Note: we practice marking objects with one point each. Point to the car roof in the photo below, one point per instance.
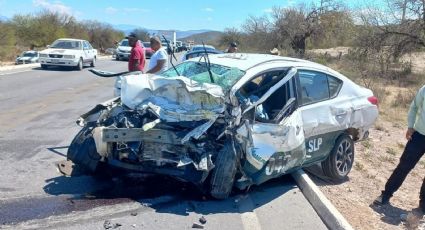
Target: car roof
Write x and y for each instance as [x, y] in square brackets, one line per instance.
[71, 39]
[245, 61]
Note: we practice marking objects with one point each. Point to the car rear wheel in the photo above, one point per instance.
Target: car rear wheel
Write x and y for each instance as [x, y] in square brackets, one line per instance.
[223, 175]
[117, 58]
[340, 160]
[93, 63]
[80, 64]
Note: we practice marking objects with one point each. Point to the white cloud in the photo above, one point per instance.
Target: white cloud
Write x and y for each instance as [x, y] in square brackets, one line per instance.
[57, 6]
[208, 9]
[268, 10]
[111, 10]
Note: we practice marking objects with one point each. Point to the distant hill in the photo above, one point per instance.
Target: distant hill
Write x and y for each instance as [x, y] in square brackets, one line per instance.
[3, 18]
[126, 28]
[210, 37]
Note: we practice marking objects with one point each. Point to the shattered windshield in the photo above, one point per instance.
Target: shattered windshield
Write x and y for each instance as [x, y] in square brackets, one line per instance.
[223, 76]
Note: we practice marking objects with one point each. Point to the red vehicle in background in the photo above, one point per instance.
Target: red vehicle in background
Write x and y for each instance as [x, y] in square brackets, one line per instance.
[148, 50]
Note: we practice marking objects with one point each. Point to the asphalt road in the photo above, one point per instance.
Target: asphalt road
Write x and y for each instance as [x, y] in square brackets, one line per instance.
[38, 109]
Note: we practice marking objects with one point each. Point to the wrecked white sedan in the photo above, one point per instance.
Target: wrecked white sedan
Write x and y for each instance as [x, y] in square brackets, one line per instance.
[228, 120]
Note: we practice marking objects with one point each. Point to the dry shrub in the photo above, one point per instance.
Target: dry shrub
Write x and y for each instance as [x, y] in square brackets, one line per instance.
[403, 98]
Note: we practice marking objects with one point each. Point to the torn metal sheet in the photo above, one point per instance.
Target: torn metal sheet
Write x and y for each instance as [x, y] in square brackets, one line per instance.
[174, 98]
[198, 131]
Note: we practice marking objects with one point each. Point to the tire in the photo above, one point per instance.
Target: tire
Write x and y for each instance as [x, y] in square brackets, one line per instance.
[223, 175]
[117, 58]
[93, 63]
[80, 64]
[43, 66]
[340, 160]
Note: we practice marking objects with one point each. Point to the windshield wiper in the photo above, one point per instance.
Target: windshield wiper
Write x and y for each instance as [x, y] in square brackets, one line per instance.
[172, 55]
[207, 59]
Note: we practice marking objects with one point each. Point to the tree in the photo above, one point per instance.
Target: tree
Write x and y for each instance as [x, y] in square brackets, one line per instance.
[296, 24]
[7, 36]
[230, 35]
[142, 34]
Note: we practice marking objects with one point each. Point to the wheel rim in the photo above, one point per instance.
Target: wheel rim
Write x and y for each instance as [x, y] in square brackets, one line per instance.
[94, 61]
[80, 64]
[344, 157]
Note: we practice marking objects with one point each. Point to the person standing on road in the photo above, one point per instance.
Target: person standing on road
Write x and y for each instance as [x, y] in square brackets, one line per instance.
[233, 48]
[159, 60]
[136, 62]
[414, 150]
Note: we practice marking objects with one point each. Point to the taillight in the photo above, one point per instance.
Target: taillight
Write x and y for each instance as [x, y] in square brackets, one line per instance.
[373, 100]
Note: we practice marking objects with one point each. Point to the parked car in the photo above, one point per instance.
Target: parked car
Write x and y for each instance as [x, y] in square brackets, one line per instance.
[27, 57]
[201, 47]
[123, 50]
[148, 50]
[199, 53]
[237, 120]
[68, 52]
[183, 47]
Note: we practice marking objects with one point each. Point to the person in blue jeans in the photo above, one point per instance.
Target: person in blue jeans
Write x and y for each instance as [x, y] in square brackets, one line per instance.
[414, 150]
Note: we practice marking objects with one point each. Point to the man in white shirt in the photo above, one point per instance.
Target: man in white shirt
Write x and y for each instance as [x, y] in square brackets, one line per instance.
[159, 60]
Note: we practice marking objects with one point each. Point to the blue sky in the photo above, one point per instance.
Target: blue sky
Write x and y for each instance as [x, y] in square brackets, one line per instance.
[165, 14]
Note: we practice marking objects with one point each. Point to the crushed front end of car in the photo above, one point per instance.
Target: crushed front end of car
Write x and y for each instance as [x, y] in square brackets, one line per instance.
[170, 126]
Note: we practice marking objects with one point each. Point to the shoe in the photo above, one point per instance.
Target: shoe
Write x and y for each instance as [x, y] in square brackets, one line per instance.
[381, 200]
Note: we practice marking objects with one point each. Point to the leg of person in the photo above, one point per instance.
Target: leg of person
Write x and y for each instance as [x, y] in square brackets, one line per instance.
[422, 197]
[412, 154]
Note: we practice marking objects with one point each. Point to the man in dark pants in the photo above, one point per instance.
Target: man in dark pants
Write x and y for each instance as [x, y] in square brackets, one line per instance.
[414, 150]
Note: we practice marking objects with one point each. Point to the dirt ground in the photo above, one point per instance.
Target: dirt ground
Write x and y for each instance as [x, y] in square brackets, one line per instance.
[375, 159]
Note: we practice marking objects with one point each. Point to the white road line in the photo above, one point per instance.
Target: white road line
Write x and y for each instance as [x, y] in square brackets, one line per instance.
[10, 73]
[248, 216]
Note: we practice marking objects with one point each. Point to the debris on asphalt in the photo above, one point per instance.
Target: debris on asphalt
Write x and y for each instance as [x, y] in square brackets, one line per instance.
[198, 226]
[133, 225]
[202, 220]
[116, 225]
[107, 224]
[134, 213]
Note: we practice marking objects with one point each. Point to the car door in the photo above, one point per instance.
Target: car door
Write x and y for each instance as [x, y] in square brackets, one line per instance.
[317, 93]
[88, 52]
[276, 131]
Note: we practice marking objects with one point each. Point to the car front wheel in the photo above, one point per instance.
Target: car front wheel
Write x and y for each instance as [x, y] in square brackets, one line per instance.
[43, 66]
[340, 160]
[223, 175]
[80, 64]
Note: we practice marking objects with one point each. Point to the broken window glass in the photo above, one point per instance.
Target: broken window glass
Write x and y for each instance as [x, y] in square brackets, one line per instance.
[223, 76]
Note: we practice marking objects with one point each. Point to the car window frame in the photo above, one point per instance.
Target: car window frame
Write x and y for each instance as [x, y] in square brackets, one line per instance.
[327, 78]
[292, 81]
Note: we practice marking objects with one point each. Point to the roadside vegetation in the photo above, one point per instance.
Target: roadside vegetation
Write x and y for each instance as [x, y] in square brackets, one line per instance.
[36, 31]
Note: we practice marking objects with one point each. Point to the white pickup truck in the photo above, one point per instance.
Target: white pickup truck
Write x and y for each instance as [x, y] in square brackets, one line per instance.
[68, 52]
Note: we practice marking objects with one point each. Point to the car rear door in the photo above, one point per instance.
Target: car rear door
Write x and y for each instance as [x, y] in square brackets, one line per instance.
[277, 136]
[319, 107]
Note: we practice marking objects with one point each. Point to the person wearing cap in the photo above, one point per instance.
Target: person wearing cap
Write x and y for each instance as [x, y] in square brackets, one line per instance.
[136, 62]
[233, 47]
[158, 62]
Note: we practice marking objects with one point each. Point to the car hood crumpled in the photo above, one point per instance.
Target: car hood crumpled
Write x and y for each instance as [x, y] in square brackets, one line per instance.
[174, 99]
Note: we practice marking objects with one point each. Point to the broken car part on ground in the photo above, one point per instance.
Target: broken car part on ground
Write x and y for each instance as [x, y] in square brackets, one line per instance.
[236, 120]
